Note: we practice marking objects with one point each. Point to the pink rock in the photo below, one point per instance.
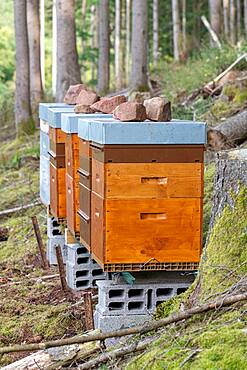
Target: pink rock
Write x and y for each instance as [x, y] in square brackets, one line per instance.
[158, 109]
[87, 97]
[80, 108]
[72, 93]
[130, 111]
[107, 105]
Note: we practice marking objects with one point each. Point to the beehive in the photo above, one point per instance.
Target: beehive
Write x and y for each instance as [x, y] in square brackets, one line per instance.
[70, 129]
[44, 150]
[147, 189]
[57, 161]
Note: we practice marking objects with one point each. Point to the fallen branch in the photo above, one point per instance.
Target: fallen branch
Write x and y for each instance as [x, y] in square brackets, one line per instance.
[20, 208]
[211, 31]
[113, 355]
[141, 329]
[38, 279]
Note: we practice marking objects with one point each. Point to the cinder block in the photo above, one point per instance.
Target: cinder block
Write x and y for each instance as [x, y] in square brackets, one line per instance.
[53, 227]
[82, 271]
[51, 251]
[112, 323]
[139, 298]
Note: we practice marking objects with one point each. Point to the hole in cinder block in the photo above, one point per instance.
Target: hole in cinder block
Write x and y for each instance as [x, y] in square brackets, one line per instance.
[81, 260]
[97, 272]
[82, 284]
[163, 291]
[158, 302]
[115, 306]
[82, 250]
[149, 299]
[181, 290]
[81, 273]
[135, 293]
[135, 305]
[115, 293]
[55, 223]
[56, 232]
[94, 262]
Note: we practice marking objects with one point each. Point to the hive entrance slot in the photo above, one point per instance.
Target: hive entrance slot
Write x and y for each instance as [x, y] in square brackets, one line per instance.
[154, 180]
[153, 216]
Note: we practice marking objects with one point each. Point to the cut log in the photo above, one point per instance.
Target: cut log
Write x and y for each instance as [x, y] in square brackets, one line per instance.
[228, 133]
[4, 234]
[57, 357]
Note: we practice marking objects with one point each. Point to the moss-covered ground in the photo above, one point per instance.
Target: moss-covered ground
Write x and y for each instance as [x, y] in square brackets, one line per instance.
[216, 340]
[30, 309]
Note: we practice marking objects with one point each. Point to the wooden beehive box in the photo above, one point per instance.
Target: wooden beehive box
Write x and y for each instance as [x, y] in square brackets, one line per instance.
[44, 150]
[57, 161]
[73, 172]
[147, 189]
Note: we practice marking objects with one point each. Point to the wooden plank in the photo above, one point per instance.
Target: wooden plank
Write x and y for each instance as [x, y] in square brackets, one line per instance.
[147, 180]
[97, 227]
[57, 191]
[168, 230]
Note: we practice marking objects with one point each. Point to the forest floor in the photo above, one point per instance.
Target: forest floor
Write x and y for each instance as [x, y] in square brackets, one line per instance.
[32, 310]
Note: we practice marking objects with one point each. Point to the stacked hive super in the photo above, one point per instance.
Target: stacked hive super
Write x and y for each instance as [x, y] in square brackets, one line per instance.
[52, 163]
[147, 189]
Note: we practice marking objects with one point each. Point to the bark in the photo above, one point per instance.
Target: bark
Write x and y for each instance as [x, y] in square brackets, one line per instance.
[139, 68]
[232, 11]
[104, 48]
[54, 48]
[141, 329]
[239, 11]
[228, 133]
[22, 91]
[245, 17]
[127, 60]
[155, 32]
[33, 25]
[42, 42]
[215, 19]
[234, 128]
[226, 17]
[231, 171]
[92, 32]
[68, 70]
[55, 358]
[184, 35]
[118, 77]
[176, 29]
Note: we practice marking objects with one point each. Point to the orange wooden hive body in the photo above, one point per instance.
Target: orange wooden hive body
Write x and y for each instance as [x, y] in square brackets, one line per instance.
[57, 172]
[141, 206]
[72, 183]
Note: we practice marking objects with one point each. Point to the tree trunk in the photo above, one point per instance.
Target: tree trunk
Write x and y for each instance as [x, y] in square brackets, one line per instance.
[231, 171]
[139, 68]
[239, 12]
[83, 14]
[215, 21]
[68, 70]
[127, 60]
[176, 29]
[226, 17]
[33, 25]
[232, 10]
[245, 17]
[92, 33]
[155, 32]
[184, 35]
[22, 91]
[54, 48]
[104, 48]
[42, 42]
[118, 77]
